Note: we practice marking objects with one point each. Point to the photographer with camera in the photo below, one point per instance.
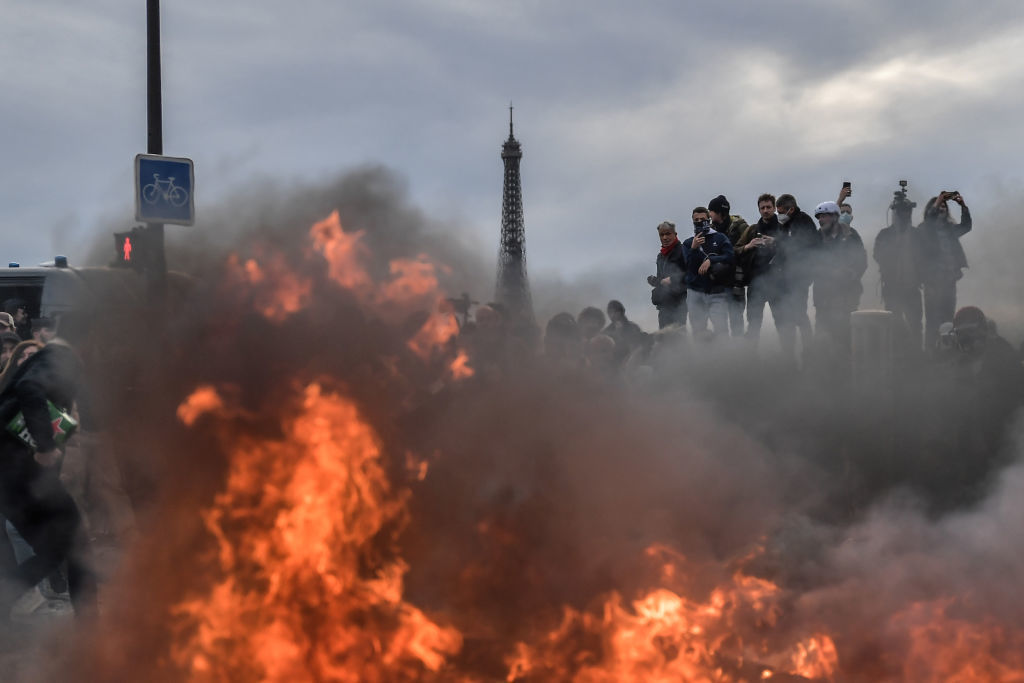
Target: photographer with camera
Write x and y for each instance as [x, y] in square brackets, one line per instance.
[943, 260]
[837, 283]
[710, 271]
[669, 285]
[899, 253]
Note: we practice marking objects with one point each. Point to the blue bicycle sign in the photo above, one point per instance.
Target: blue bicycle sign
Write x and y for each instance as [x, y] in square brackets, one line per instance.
[164, 189]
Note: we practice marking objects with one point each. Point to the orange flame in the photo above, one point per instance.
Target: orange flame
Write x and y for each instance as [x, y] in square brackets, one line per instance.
[413, 284]
[950, 648]
[203, 400]
[277, 291]
[345, 253]
[666, 636]
[295, 527]
[460, 368]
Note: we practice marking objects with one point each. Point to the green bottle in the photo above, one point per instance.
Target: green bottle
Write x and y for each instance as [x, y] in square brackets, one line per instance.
[63, 426]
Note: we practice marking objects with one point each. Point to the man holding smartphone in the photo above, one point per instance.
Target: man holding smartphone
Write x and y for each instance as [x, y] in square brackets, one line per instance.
[710, 270]
[944, 260]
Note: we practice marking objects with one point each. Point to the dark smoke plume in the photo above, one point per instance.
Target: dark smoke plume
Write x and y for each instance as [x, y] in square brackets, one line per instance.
[547, 488]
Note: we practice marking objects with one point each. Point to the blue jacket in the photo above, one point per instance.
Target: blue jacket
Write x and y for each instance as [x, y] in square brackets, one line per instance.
[718, 248]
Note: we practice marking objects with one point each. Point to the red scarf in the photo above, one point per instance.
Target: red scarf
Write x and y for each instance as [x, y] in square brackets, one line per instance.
[666, 250]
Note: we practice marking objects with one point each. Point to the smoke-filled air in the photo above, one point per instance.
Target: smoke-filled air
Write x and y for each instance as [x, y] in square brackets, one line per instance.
[340, 475]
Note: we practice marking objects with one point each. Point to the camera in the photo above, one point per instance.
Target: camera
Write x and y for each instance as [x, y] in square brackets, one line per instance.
[900, 203]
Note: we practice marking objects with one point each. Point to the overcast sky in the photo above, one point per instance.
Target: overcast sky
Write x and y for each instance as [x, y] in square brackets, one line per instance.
[629, 113]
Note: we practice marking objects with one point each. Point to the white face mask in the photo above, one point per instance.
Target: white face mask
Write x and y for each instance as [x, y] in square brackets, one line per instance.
[783, 218]
[846, 218]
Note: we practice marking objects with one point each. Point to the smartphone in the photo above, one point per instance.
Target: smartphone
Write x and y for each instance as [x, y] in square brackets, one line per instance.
[848, 186]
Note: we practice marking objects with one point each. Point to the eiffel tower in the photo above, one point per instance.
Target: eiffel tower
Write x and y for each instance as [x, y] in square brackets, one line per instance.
[513, 288]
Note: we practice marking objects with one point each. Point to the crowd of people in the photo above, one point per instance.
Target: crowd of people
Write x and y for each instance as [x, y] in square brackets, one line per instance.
[717, 281]
[728, 268]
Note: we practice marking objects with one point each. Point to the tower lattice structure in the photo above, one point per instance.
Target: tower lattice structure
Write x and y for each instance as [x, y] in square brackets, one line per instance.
[513, 286]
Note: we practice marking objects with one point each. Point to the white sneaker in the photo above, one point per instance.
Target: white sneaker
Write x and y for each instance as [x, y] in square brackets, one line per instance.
[29, 602]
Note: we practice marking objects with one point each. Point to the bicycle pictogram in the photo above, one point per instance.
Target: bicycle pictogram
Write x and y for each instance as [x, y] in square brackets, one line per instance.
[166, 190]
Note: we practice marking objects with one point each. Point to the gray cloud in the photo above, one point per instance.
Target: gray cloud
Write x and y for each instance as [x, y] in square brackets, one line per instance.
[628, 115]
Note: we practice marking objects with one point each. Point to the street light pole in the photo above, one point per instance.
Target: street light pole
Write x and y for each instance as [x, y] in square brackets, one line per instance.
[154, 132]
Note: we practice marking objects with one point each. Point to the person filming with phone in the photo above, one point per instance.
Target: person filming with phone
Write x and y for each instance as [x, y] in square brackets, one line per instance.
[944, 260]
[710, 271]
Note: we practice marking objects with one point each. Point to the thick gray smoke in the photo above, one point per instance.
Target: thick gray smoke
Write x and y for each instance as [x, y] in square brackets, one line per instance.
[546, 486]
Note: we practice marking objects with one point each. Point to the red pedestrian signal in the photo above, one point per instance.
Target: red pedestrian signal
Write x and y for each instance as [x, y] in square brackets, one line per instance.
[130, 249]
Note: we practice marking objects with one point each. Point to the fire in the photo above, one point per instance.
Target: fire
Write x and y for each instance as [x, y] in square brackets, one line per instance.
[274, 290]
[815, 658]
[664, 635]
[305, 592]
[460, 368]
[439, 329]
[413, 285]
[345, 253]
[947, 647]
[203, 400]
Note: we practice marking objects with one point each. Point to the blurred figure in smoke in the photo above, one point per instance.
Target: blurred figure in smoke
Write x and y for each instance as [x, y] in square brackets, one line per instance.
[32, 496]
[985, 388]
[758, 249]
[44, 330]
[18, 310]
[899, 253]
[601, 356]
[627, 334]
[943, 260]
[837, 282]
[6, 323]
[799, 246]
[562, 342]
[992, 357]
[732, 227]
[710, 273]
[590, 322]
[486, 342]
[8, 342]
[669, 293]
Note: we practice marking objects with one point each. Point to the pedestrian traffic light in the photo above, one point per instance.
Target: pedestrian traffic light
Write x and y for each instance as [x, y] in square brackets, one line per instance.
[130, 249]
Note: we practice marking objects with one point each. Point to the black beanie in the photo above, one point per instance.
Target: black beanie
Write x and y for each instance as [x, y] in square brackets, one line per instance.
[719, 205]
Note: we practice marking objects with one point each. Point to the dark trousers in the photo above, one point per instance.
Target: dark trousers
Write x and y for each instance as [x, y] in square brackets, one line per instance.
[905, 303]
[939, 307]
[36, 503]
[671, 315]
[763, 290]
[794, 302]
[737, 305]
[834, 324]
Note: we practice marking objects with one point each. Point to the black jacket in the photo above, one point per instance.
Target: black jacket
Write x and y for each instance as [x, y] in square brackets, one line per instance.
[841, 263]
[672, 266]
[899, 252]
[54, 374]
[799, 247]
[944, 256]
[762, 260]
[718, 249]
